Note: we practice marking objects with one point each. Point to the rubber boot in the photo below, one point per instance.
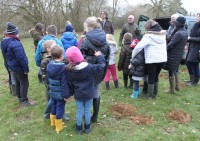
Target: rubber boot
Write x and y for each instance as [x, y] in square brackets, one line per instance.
[194, 82]
[125, 83]
[59, 125]
[155, 92]
[52, 119]
[150, 91]
[134, 94]
[116, 84]
[177, 82]
[12, 90]
[172, 84]
[79, 129]
[191, 78]
[131, 83]
[145, 85]
[96, 105]
[87, 128]
[107, 86]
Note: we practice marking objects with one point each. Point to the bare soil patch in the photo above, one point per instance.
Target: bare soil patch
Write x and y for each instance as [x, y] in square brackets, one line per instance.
[180, 116]
[141, 119]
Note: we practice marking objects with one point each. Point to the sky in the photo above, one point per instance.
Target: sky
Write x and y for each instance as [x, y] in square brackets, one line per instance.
[192, 6]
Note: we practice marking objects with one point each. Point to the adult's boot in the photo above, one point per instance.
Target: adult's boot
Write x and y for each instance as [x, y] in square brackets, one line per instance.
[177, 82]
[172, 84]
[155, 91]
[96, 105]
[145, 85]
[150, 91]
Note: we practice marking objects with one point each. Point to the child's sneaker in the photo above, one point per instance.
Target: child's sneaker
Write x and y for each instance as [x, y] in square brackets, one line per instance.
[79, 129]
[27, 103]
[87, 128]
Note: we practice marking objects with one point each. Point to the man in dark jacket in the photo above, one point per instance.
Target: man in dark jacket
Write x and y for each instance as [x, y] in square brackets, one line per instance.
[17, 62]
[129, 27]
[106, 24]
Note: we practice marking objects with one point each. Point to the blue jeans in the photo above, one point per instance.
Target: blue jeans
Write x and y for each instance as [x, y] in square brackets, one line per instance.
[58, 108]
[79, 111]
[193, 68]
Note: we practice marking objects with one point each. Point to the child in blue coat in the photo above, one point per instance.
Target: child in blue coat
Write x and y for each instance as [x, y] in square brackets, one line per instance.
[58, 87]
[81, 83]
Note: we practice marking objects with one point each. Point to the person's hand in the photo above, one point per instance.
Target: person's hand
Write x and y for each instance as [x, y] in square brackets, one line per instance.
[97, 53]
[129, 66]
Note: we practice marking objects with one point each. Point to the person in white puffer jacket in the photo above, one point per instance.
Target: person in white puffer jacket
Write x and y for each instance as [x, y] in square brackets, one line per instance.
[154, 45]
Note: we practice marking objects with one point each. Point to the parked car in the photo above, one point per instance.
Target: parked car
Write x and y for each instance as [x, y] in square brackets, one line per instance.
[165, 23]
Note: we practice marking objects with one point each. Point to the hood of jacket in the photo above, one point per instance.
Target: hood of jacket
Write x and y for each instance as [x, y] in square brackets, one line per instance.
[55, 68]
[97, 37]
[156, 36]
[68, 35]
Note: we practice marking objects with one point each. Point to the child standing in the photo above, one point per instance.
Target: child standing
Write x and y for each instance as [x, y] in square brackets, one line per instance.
[81, 83]
[112, 61]
[59, 91]
[137, 70]
[124, 60]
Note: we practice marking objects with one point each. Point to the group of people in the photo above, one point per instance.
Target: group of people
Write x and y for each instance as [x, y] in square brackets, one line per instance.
[69, 67]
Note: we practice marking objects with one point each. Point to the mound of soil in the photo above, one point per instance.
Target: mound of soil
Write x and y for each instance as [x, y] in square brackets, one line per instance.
[140, 119]
[180, 116]
[122, 110]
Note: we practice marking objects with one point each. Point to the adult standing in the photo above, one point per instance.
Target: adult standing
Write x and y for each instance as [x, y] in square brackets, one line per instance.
[192, 60]
[129, 27]
[154, 44]
[17, 62]
[106, 24]
[95, 40]
[175, 48]
[172, 26]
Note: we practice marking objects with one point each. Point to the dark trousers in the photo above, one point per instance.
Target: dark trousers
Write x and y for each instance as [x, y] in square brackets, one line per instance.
[193, 68]
[126, 76]
[153, 71]
[21, 86]
[58, 108]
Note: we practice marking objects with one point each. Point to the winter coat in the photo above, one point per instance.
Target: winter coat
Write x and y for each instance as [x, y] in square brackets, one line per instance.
[194, 43]
[68, 39]
[107, 26]
[46, 58]
[113, 52]
[175, 49]
[81, 79]
[154, 44]
[138, 65]
[57, 78]
[129, 28]
[95, 40]
[124, 58]
[36, 37]
[40, 49]
[14, 54]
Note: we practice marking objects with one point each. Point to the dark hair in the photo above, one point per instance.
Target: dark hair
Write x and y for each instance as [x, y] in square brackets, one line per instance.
[52, 29]
[105, 12]
[39, 27]
[56, 52]
[128, 37]
[71, 66]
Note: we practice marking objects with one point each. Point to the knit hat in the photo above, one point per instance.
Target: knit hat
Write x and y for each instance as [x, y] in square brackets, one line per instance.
[11, 29]
[74, 55]
[68, 28]
[180, 20]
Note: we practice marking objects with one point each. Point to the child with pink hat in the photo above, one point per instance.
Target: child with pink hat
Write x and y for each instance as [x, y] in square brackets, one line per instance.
[81, 84]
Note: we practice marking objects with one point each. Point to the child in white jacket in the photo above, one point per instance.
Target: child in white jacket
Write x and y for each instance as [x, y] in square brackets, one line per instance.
[112, 62]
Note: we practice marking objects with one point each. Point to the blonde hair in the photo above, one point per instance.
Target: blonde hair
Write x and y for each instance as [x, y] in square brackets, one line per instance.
[47, 44]
[110, 37]
[91, 23]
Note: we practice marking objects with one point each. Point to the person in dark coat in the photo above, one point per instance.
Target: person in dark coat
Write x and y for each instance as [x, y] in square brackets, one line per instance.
[130, 27]
[17, 62]
[192, 60]
[95, 40]
[81, 83]
[175, 49]
[124, 60]
[106, 24]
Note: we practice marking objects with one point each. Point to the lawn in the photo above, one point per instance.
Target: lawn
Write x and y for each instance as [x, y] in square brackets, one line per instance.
[119, 118]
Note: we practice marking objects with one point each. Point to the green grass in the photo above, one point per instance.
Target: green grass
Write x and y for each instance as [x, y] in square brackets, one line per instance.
[27, 124]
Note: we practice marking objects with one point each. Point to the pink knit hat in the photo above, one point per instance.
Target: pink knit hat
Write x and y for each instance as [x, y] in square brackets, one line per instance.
[74, 55]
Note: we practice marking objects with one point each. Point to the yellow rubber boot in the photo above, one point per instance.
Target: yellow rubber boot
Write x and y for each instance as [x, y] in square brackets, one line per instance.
[59, 125]
[52, 118]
